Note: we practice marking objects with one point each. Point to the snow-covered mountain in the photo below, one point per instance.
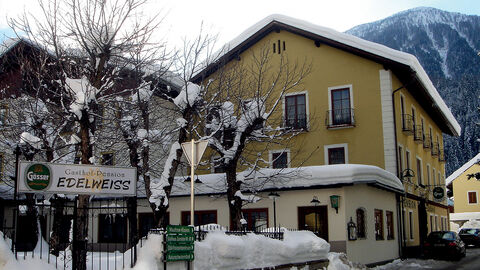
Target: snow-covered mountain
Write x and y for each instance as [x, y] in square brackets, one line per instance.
[446, 44]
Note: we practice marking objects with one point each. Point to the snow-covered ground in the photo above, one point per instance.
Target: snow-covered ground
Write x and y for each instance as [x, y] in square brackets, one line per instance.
[221, 251]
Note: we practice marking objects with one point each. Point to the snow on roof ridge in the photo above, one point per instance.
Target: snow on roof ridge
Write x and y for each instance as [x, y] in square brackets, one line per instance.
[462, 169]
[350, 40]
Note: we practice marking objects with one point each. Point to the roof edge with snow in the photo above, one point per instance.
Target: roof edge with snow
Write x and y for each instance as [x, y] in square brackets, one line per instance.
[462, 169]
[407, 66]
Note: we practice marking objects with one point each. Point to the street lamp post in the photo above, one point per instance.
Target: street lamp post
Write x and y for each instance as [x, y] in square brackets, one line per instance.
[315, 202]
[273, 196]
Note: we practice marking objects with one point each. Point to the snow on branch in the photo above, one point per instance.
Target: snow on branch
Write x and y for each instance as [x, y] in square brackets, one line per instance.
[157, 185]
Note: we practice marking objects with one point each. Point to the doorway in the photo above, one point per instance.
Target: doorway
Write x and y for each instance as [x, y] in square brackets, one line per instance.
[315, 219]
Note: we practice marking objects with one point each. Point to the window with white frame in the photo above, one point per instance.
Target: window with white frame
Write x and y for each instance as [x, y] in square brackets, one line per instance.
[472, 197]
[340, 106]
[436, 223]
[410, 224]
[419, 172]
[400, 160]
[428, 175]
[407, 159]
[336, 154]
[280, 159]
[433, 177]
[296, 111]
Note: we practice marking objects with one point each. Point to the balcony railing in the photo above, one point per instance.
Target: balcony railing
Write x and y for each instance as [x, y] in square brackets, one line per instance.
[407, 124]
[427, 142]
[435, 149]
[340, 118]
[441, 155]
[418, 134]
[299, 123]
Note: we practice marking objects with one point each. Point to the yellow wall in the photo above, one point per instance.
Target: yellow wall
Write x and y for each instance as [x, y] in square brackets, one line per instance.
[417, 150]
[461, 187]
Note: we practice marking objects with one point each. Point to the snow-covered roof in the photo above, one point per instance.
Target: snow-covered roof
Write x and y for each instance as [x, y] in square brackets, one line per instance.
[8, 44]
[462, 169]
[296, 178]
[464, 216]
[358, 44]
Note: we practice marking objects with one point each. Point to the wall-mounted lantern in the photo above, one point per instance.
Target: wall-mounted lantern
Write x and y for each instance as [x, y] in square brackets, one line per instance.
[335, 202]
[352, 230]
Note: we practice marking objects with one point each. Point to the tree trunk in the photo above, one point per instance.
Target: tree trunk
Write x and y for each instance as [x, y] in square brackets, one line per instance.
[58, 228]
[234, 202]
[80, 234]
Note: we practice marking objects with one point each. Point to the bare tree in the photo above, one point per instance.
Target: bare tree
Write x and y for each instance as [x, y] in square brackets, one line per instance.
[92, 43]
[244, 106]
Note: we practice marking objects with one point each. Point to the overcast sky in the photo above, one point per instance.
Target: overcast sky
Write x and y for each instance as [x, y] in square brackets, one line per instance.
[230, 18]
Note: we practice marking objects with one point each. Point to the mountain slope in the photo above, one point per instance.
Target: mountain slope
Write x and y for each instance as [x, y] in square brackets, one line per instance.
[446, 44]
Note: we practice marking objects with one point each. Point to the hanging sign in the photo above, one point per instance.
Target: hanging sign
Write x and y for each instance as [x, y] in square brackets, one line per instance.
[39, 177]
[438, 194]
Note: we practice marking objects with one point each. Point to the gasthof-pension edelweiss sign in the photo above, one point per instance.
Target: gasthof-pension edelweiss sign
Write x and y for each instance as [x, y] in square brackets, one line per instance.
[76, 179]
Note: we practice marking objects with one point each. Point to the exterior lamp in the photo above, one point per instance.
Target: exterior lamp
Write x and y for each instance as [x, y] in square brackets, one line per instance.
[273, 196]
[315, 201]
[352, 230]
[407, 174]
[335, 202]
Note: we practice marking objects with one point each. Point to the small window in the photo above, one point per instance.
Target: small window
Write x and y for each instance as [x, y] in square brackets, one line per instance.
[378, 224]
[280, 160]
[257, 219]
[410, 224]
[390, 230]
[296, 111]
[436, 223]
[419, 172]
[407, 159]
[431, 223]
[400, 160]
[341, 107]
[218, 165]
[107, 159]
[428, 175]
[336, 155]
[361, 229]
[112, 228]
[201, 217]
[472, 197]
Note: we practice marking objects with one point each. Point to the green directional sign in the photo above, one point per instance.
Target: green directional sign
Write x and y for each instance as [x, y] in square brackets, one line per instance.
[179, 243]
[179, 229]
[172, 257]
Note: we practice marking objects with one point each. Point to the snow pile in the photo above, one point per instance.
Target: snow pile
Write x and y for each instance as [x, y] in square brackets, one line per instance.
[471, 224]
[220, 251]
[339, 261]
[32, 140]
[150, 254]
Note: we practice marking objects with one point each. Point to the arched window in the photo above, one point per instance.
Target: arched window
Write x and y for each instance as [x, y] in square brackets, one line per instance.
[361, 229]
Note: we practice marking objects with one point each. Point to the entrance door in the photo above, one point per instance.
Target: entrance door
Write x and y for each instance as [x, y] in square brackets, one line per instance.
[315, 219]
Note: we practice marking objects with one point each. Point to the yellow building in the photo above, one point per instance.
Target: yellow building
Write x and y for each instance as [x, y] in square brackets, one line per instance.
[466, 189]
[362, 103]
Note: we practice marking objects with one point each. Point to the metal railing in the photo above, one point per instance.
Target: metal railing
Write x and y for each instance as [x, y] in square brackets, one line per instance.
[435, 148]
[340, 118]
[407, 124]
[427, 142]
[418, 134]
[299, 123]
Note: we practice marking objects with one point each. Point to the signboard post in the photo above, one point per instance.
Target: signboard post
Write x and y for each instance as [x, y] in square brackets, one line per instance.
[193, 151]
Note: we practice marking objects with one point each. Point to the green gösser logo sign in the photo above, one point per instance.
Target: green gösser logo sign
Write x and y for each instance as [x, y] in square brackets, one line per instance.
[37, 177]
